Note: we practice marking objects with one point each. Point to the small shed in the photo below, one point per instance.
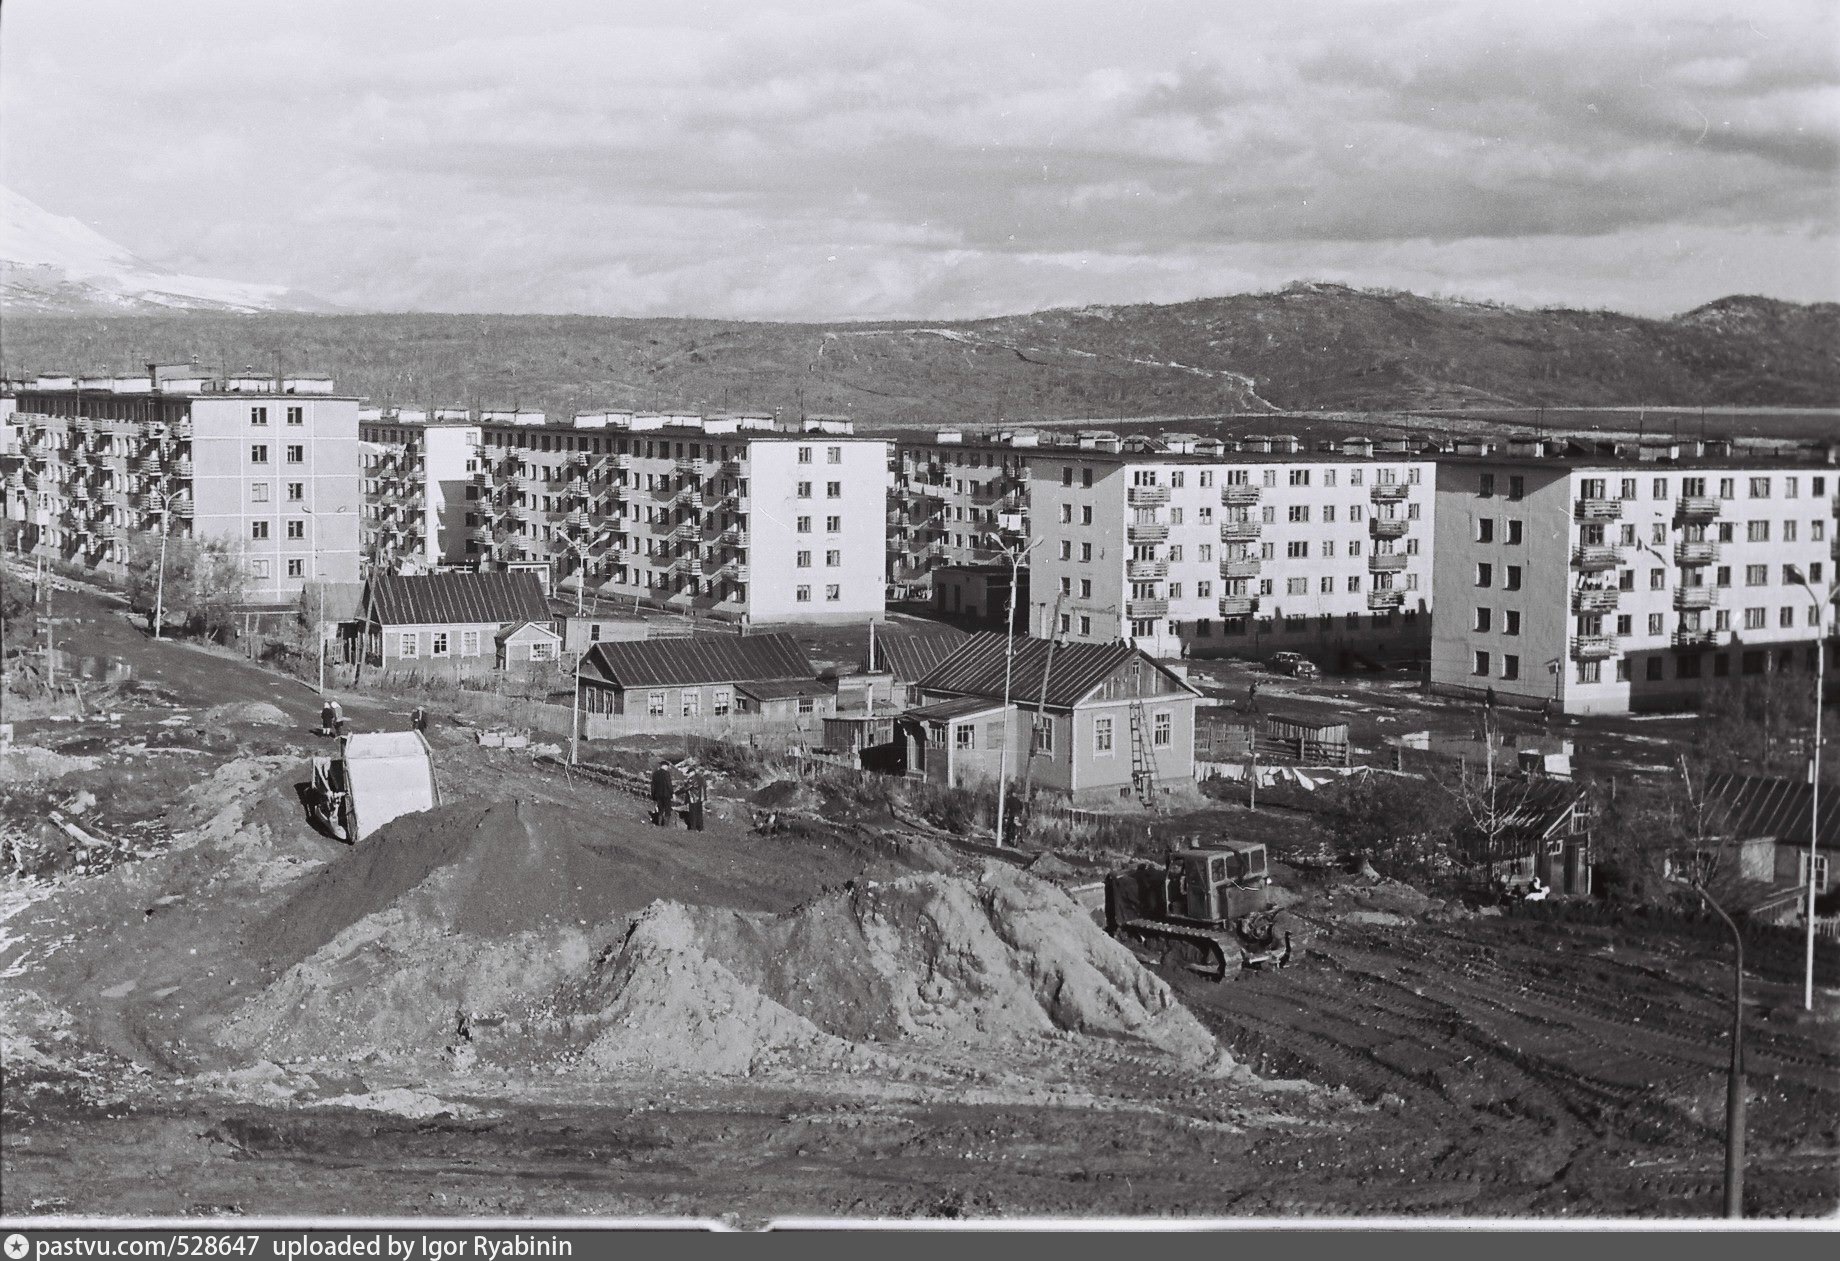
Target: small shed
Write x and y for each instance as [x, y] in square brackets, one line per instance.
[786, 698]
[854, 732]
[523, 644]
[1313, 742]
[960, 741]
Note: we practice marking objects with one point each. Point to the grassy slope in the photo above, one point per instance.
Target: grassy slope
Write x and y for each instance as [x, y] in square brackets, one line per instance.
[1304, 348]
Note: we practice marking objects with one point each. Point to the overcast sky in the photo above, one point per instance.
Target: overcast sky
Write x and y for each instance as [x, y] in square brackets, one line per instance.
[924, 158]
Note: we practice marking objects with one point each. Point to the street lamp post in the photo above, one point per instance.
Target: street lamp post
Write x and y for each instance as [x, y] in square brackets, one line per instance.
[1814, 778]
[1015, 556]
[319, 626]
[159, 586]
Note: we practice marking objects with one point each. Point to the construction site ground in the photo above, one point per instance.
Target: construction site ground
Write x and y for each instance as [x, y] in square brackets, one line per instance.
[215, 1011]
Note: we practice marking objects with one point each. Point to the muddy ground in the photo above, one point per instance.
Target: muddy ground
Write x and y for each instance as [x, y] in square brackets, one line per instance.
[1414, 1059]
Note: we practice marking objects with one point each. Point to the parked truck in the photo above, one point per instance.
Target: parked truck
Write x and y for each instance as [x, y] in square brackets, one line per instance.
[377, 776]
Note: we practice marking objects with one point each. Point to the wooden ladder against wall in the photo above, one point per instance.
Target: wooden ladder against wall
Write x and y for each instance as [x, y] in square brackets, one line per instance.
[1143, 756]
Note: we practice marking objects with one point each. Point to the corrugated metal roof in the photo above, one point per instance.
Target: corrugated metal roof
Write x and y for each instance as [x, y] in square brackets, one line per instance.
[780, 689]
[977, 668]
[700, 659]
[909, 654]
[455, 599]
[946, 711]
[1763, 805]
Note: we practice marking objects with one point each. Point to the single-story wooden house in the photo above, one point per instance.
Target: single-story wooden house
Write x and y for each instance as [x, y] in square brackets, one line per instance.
[1768, 819]
[960, 742]
[707, 676]
[1111, 717]
[525, 644]
[1545, 833]
[454, 618]
[897, 659]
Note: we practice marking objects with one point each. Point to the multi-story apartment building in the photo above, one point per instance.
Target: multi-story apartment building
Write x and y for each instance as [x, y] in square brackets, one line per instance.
[1194, 548]
[951, 490]
[1610, 577]
[418, 467]
[727, 516]
[270, 462]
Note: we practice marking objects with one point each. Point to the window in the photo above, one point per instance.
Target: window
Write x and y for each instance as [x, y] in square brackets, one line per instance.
[833, 525]
[1086, 517]
[1354, 583]
[297, 569]
[1066, 623]
[1102, 737]
[1044, 736]
[258, 415]
[833, 455]
[1820, 872]
[691, 703]
[1655, 623]
[964, 736]
[1066, 549]
[833, 490]
[654, 704]
[1086, 588]
[1517, 488]
[258, 529]
[1760, 488]
[297, 529]
[804, 490]
[1086, 478]
[1514, 533]
[1590, 671]
[1628, 488]
[1788, 534]
[296, 454]
[1756, 575]
[258, 569]
[802, 594]
[1300, 477]
[296, 491]
[296, 416]
[803, 560]
[1326, 585]
[1485, 529]
[804, 525]
[439, 645]
[1086, 552]
[804, 455]
[1722, 576]
[1067, 476]
[1757, 531]
[1066, 514]
[1485, 574]
[1625, 624]
[1514, 578]
[1785, 618]
[1510, 666]
[833, 592]
[1488, 486]
[1481, 666]
[1754, 619]
[258, 492]
[1162, 730]
[1297, 549]
[1297, 586]
[1086, 626]
[408, 646]
[258, 453]
[1483, 618]
[833, 558]
[469, 643]
[1300, 512]
[1657, 580]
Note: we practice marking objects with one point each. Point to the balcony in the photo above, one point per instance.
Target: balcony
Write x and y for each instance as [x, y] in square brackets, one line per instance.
[1390, 492]
[1596, 557]
[1386, 599]
[1595, 600]
[1594, 647]
[687, 532]
[1146, 608]
[1147, 496]
[694, 465]
[182, 430]
[1696, 508]
[1598, 510]
[182, 507]
[1696, 553]
[482, 478]
[1239, 496]
[998, 490]
[1690, 598]
[1146, 570]
[1386, 562]
[1146, 532]
[1239, 531]
[739, 571]
[1238, 605]
[515, 482]
[1692, 637]
[1240, 567]
[1387, 527]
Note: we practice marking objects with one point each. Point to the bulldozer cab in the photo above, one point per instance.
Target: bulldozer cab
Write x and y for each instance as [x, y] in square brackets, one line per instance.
[1246, 862]
[1215, 884]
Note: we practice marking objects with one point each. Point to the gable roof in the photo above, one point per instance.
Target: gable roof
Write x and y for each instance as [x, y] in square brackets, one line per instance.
[780, 689]
[977, 669]
[948, 711]
[514, 629]
[909, 654]
[1765, 805]
[699, 659]
[450, 599]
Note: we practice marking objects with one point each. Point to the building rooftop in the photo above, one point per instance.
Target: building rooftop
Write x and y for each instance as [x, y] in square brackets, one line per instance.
[978, 667]
[448, 599]
[696, 660]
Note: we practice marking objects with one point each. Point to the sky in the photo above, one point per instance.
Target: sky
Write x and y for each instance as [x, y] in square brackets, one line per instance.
[930, 159]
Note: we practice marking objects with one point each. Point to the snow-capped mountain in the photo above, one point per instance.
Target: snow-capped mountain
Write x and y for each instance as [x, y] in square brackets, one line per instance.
[55, 265]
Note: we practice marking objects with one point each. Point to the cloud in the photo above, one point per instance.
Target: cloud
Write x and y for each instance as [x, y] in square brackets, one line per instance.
[889, 158]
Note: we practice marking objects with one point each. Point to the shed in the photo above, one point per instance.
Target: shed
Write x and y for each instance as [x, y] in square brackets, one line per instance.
[1313, 742]
[526, 643]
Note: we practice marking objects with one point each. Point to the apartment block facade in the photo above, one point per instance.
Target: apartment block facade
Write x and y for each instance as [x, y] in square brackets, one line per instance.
[417, 468]
[951, 491]
[269, 462]
[1603, 578]
[1194, 550]
[726, 516]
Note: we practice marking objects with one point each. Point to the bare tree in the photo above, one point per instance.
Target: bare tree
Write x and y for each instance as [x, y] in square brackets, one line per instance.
[204, 580]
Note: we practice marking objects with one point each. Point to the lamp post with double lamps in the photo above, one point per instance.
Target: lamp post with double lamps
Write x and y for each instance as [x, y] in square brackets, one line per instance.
[1820, 603]
[319, 629]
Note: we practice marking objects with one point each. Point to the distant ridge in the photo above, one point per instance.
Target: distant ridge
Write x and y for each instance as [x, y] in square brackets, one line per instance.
[55, 265]
[1306, 347]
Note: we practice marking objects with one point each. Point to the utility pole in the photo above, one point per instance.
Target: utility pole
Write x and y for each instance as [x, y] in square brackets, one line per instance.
[1016, 556]
[1814, 775]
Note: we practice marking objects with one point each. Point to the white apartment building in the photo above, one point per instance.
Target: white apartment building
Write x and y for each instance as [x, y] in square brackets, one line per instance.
[1192, 551]
[417, 467]
[270, 462]
[1609, 578]
[726, 516]
[951, 490]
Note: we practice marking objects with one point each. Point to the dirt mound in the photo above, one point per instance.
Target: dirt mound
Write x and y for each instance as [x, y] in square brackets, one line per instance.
[252, 713]
[928, 962]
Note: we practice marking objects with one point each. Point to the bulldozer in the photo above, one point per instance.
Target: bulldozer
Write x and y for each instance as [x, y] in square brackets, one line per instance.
[377, 776]
[1206, 906]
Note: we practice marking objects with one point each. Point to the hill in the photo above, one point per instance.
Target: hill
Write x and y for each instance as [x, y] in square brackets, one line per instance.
[53, 264]
[1303, 348]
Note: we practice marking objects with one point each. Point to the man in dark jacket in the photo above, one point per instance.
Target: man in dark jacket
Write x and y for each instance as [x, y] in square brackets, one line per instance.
[664, 793]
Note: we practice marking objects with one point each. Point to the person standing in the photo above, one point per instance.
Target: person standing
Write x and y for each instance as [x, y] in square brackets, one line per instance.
[664, 792]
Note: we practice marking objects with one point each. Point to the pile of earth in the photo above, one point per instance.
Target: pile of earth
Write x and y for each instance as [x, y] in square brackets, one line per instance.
[506, 933]
[251, 713]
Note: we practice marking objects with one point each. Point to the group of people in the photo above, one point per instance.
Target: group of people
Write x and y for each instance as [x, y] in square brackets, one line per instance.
[671, 787]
